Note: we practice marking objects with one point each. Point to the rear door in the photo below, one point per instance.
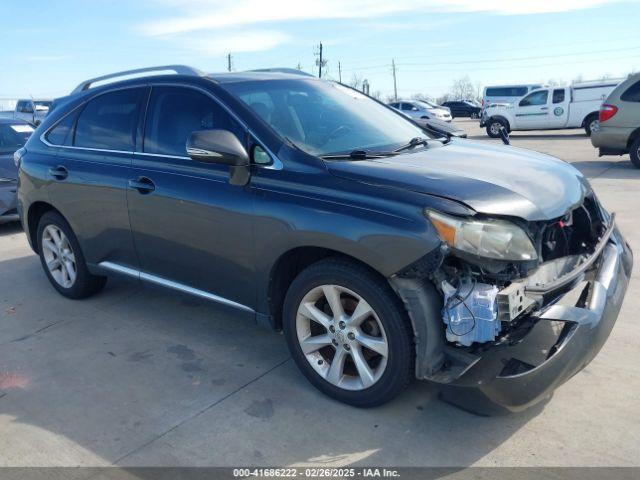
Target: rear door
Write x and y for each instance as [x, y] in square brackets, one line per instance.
[90, 174]
[559, 107]
[532, 112]
[191, 227]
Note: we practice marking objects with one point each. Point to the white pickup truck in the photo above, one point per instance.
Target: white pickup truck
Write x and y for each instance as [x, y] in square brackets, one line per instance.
[29, 110]
[550, 108]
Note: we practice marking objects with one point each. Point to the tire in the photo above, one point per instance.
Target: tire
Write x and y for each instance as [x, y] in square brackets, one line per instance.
[387, 324]
[634, 153]
[590, 123]
[493, 127]
[59, 246]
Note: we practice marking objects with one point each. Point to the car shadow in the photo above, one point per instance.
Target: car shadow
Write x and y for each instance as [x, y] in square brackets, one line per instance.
[10, 228]
[143, 376]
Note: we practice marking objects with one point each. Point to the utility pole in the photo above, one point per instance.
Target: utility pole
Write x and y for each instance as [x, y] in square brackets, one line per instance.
[395, 85]
[339, 72]
[229, 62]
[320, 63]
[299, 67]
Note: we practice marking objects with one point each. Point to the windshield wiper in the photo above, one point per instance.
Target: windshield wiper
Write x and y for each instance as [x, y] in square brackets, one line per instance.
[358, 155]
[414, 142]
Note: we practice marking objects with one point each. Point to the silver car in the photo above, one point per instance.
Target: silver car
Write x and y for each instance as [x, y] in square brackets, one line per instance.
[422, 109]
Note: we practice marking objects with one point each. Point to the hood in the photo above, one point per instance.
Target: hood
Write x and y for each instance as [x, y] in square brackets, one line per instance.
[8, 169]
[494, 180]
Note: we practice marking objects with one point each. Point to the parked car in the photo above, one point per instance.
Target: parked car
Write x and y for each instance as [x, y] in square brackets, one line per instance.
[384, 254]
[506, 93]
[618, 131]
[463, 108]
[422, 109]
[13, 136]
[29, 110]
[551, 108]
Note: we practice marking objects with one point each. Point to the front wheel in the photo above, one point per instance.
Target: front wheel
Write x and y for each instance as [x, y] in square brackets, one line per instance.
[494, 127]
[348, 333]
[62, 259]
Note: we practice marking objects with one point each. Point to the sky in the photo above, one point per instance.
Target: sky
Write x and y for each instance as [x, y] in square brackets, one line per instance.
[48, 47]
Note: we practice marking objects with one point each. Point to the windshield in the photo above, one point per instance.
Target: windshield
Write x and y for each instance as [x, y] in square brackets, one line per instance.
[42, 104]
[13, 137]
[325, 118]
[428, 104]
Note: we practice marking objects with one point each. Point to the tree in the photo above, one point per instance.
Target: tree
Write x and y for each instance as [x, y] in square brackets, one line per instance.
[356, 81]
[462, 89]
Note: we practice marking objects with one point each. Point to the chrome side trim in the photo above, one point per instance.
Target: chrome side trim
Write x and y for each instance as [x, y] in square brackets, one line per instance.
[147, 277]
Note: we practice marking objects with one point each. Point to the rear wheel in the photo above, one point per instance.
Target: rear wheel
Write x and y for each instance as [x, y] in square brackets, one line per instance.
[494, 126]
[348, 333]
[634, 153]
[590, 124]
[62, 259]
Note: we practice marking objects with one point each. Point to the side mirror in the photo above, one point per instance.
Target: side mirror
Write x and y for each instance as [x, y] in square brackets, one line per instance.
[504, 135]
[223, 147]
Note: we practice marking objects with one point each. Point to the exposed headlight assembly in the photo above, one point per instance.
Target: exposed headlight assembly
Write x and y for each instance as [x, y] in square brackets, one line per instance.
[495, 239]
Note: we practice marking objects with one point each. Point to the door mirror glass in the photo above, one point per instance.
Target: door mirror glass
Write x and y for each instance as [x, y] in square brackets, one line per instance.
[217, 146]
[260, 156]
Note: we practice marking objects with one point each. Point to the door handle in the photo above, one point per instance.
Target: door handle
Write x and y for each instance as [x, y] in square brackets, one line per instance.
[59, 172]
[143, 185]
[544, 108]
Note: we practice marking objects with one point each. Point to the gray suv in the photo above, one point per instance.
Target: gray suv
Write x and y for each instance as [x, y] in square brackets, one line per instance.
[383, 252]
[618, 132]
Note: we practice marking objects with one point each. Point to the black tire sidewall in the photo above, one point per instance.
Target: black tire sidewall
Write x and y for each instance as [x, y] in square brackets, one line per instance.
[399, 368]
[85, 283]
[634, 154]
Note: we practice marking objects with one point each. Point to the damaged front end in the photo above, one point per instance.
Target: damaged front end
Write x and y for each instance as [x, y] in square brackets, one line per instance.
[505, 311]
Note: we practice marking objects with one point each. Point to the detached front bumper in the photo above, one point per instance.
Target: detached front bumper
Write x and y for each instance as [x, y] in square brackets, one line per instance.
[555, 344]
[8, 210]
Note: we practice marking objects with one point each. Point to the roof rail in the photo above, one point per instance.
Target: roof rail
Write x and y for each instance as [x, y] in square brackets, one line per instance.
[292, 71]
[178, 69]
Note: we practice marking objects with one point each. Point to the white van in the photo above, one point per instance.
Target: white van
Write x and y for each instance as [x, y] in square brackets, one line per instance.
[506, 93]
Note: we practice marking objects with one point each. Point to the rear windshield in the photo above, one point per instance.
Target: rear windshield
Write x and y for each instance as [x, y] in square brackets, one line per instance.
[506, 91]
[324, 118]
[13, 137]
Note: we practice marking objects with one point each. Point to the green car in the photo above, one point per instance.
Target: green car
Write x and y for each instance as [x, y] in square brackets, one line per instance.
[619, 129]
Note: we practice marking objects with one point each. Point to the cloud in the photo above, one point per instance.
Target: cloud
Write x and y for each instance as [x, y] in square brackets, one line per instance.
[197, 15]
[248, 41]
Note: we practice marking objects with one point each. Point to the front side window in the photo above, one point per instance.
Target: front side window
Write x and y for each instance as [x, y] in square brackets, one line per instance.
[536, 98]
[325, 118]
[558, 95]
[632, 94]
[175, 113]
[109, 121]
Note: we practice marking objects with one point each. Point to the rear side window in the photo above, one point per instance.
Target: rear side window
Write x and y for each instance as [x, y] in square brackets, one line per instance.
[558, 95]
[632, 94]
[109, 121]
[175, 113]
[62, 134]
[506, 91]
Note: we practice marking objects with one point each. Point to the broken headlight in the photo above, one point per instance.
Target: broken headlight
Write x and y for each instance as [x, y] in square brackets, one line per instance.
[496, 239]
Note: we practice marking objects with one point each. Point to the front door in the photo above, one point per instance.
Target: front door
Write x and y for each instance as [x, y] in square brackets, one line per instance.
[190, 226]
[532, 111]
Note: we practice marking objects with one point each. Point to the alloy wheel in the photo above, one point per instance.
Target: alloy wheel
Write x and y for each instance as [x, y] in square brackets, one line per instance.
[59, 256]
[495, 128]
[341, 337]
[594, 125]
